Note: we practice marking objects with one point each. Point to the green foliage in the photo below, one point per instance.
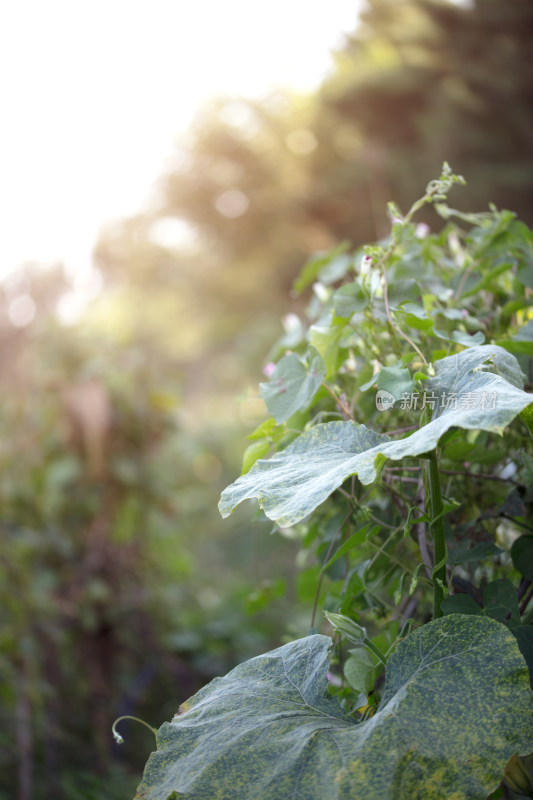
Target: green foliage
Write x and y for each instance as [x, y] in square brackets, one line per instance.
[522, 555]
[418, 81]
[421, 399]
[292, 485]
[449, 721]
[112, 583]
[107, 597]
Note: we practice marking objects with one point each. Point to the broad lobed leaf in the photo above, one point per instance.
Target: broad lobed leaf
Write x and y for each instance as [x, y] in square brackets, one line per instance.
[449, 721]
[485, 383]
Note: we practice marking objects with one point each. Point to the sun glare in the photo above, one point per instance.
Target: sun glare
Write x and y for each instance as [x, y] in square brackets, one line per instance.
[95, 94]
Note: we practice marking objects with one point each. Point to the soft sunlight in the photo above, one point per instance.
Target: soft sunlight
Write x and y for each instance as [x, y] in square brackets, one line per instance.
[94, 95]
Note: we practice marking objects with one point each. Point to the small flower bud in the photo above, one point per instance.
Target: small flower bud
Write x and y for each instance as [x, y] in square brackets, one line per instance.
[366, 265]
[269, 368]
[422, 230]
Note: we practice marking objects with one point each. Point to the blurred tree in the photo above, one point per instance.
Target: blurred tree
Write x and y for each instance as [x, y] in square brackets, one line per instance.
[265, 184]
[240, 181]
[423, 81]
[108, 603]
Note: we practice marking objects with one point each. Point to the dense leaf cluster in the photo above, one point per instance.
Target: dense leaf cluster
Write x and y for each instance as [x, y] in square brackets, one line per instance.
[438, 325]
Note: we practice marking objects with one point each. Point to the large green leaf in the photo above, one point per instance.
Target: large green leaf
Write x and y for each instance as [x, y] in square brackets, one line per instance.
[296, 480]
[479, 388]
[457, 705]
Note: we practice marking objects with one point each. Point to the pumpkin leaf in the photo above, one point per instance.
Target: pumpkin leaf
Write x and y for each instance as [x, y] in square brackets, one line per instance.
[449, 721]
[479, 388]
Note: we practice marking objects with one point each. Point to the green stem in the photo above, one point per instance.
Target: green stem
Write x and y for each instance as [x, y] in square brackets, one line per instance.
[377, 652]
[437, 531]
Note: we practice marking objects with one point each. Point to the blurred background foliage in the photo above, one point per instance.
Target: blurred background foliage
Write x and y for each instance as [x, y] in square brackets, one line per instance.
[122, 591]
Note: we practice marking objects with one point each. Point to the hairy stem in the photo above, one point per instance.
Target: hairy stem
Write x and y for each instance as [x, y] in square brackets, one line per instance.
[343, 407]
[391, 321]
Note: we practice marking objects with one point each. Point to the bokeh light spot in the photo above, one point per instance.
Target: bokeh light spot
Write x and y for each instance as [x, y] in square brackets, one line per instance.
[21, 311]
[171, 233]
[232, 204]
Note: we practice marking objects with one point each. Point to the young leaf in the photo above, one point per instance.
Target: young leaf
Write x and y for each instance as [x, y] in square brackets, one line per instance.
[449, 721]
[266, 429]
[416, 317]
[360, 671]
[522, 555]
[253, 452]
[293, 384]
[349, 299]
[500, 603]
[403, 291]
[327, 339]
[460, 604]
[319, 262]
[396, 381]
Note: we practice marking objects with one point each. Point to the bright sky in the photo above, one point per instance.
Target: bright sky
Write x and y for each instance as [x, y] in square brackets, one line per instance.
[94, 92]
